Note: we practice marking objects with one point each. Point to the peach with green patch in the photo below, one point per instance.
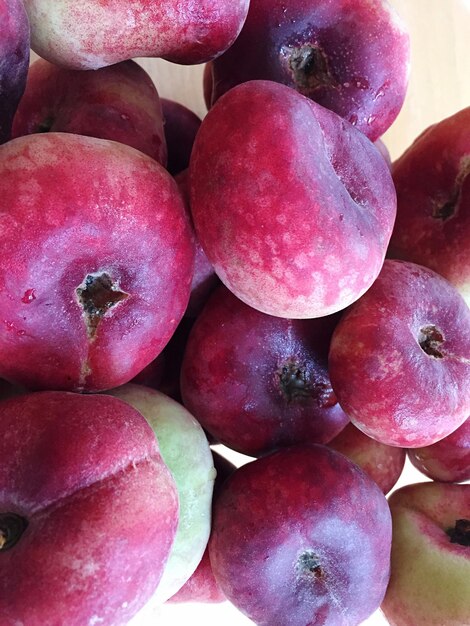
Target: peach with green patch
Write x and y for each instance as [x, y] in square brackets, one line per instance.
[88, 510]
[430, 579]
[185, 450]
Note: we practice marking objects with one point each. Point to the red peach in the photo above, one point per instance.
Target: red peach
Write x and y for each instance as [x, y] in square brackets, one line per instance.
[384, 464]
[448, 460]
[400, 358]
[118, 103]
[96, 261]
[88, 510]
[293, 206]
[432, 180]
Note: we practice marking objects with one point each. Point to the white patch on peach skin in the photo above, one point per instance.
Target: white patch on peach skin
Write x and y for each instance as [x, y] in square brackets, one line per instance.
[464, 290]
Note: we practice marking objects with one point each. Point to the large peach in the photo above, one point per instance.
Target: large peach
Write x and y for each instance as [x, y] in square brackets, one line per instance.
[293, 206]
[258, 382]
[88, 510]
[96, 261]
[302, 536]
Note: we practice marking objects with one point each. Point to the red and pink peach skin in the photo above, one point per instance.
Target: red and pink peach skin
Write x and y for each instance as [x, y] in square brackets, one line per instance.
[432, 180]
[384, 464]
[293, 206]
[400, 358]
[88, 510]
[97, 261]
[65, 32]
[118, 103]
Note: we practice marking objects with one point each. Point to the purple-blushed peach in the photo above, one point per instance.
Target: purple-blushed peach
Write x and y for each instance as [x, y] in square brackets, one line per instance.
[350, 56]
[96, 261]
[258, 382]
[302, 536]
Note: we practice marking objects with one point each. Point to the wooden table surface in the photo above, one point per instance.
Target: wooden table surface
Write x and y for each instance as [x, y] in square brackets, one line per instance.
[440, 77]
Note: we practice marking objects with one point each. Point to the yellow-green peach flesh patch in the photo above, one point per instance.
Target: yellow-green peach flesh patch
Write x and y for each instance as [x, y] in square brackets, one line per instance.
[185, 450]
[430, 578]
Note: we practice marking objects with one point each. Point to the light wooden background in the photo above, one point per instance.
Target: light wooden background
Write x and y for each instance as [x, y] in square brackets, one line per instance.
[440, 78]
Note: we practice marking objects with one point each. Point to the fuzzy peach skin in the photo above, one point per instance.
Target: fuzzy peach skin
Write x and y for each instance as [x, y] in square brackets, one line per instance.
[96, 261]
[448, 460]
[432, 179]
[302, 536]
[430, 579]
[350, 56]
[384, 464]
[14, 61]
[88, 510]
[119, 103]
[293, 206]
[399, 358]
[91, 34]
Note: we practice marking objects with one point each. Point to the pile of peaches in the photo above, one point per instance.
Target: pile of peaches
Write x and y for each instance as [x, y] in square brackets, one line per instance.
[266, 280]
